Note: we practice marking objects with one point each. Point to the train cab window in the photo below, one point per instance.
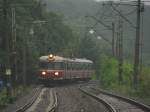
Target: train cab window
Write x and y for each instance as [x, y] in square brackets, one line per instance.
[56, 66]
[43, 65]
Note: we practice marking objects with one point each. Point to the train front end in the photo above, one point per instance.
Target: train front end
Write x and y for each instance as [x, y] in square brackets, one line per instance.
[51, 69]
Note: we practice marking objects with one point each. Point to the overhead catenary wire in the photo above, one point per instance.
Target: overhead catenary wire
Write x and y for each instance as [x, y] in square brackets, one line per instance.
[107, 26]
[127, 20]
[131, 12]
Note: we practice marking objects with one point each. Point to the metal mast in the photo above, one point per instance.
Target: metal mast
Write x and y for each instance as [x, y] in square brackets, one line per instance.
[137, 46]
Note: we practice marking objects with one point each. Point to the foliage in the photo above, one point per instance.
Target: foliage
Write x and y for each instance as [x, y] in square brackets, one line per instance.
[144, 88]
[109, 78]
[108, 71]
[17, 92]
[51, 36]
[4, 99]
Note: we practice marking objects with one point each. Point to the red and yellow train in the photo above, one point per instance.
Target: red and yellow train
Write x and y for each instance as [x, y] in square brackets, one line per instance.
[58, 68]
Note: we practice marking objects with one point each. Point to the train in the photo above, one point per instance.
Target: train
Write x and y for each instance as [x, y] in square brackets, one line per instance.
[56, 68]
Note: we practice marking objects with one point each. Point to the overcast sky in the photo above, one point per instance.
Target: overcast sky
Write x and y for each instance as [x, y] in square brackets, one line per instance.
[119, 0]
[148, 3]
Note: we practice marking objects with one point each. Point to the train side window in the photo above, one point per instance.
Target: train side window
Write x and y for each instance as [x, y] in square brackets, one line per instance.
[78, 68]
[75, 66]
[65, 65]
[82, 66]
[86, 66]
[62, 65]
[69, 66]
[72, 66]
[90, 66]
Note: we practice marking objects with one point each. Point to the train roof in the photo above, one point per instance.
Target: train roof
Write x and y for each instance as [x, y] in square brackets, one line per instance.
[82, 60]
[61, 59]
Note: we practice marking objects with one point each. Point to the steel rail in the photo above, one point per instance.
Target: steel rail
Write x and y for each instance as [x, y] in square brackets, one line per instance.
[55, 103]
[108, 106]
[30, 102]
[131, 101]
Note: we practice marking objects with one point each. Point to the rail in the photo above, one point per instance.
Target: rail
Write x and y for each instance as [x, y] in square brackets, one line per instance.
[52, 107]
[30, 102]
[108, 106]
[131, 101]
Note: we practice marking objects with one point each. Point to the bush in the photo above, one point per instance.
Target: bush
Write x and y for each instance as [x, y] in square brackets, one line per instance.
[144, 88]
[108, 71]
[109, 78]
[4, 99]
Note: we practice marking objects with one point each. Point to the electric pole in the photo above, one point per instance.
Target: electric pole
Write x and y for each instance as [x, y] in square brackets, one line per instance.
[120, 50]
[14, 52]
[117, 45]
[113, 39]
[137, 46]
[24, 54]
[6, 47]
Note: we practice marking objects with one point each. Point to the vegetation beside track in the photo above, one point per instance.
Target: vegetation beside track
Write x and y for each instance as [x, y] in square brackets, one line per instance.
[16, 93]
[108, 76]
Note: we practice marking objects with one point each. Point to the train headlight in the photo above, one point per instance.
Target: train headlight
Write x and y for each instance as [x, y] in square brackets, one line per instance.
[51, 57]
[43, 73]
[56, 73]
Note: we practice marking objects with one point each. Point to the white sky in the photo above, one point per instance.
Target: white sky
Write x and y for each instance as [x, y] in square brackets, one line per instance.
[118, 0]
[148, 3]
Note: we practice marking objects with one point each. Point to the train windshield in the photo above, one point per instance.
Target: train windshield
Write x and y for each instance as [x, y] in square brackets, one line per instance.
[52, 65]
[43, 65]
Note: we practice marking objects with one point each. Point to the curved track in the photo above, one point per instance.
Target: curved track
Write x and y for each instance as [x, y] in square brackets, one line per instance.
[31, 101]
[71, 99]
[109, 107]
[115, 103]
[43, 100]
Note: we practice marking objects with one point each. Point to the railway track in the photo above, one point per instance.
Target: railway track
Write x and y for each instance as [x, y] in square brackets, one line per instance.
[31, 101]
[71, 99]
[115, 103]
[43, 100]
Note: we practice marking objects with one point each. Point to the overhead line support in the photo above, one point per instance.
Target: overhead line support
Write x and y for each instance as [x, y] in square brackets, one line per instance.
[137, 46]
